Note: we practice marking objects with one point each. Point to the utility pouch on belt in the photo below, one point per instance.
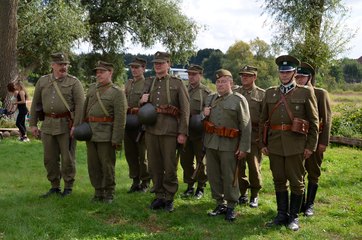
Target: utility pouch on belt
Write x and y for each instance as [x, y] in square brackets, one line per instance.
[300, 126]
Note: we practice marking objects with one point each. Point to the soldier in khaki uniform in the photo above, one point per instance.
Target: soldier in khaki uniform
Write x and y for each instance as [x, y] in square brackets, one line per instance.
[51, 93]
[105, 110]
[194, 146]
[254, 95]
[227, 141]
[169, 96]
[134, 144]
[305, 76]
[287, 111]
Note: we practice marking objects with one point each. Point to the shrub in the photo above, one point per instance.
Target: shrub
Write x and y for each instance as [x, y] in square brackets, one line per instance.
[347, 121]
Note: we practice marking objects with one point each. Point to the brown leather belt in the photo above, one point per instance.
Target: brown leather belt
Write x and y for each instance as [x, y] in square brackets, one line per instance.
[221, 131]
[282, 127]
[58, 115]
[133, 110]
[98, 119]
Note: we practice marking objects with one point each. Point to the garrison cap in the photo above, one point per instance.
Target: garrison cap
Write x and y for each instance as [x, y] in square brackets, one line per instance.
[248, 70]
[222, 72]
[287, 63]
[59, 57]
[138, 62]
[101, 65]
[161, 57]
[305, 69]
[193, 68]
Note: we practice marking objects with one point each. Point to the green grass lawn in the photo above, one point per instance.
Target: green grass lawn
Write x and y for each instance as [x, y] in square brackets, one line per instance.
[23, 215]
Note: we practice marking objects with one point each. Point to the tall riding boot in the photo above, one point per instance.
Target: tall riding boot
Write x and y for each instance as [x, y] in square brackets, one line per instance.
[295, 203]
[282, 216]
[312, 192]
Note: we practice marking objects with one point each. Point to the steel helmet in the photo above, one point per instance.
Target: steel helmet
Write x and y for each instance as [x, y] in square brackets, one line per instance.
[132, 122]
[147, 114]
[196, 123]
[83, 132]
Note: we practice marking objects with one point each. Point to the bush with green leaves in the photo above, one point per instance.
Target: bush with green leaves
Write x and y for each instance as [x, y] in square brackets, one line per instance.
[348, 121]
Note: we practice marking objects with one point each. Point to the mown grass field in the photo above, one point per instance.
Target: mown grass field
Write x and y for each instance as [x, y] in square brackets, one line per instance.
[23, 215]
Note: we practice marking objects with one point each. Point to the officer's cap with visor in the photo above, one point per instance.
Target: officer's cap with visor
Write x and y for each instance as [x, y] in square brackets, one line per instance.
[305, 69]
[138, 62]
[247, 69]
[287, 63]
[105, 66]
[193, 68]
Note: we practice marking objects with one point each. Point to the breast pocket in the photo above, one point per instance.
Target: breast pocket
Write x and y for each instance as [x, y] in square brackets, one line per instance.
[66, 90]
[297, 107]
[173, 95]
[230, 112]
[108, 103]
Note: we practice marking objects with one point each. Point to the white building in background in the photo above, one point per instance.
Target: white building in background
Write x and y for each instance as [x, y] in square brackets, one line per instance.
[180, 73]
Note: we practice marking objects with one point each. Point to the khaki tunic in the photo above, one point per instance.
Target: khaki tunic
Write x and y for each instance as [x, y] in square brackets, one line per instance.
[161, 138]
[230, 111]
[194, 145]
[135, 152]
[255, 97]
[57, 144]
[286, 148]
[100, 152]
[313, 164]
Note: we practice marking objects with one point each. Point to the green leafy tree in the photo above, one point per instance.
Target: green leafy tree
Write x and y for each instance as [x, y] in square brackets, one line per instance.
[46, 27]
[237, 56]
[114, 23]
[212, 64]
[312, 30]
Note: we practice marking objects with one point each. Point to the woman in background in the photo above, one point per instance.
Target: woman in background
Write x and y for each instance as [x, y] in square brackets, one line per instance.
[18, 100]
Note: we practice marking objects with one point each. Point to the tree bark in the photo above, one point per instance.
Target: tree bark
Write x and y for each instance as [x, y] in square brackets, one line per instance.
[8, 41]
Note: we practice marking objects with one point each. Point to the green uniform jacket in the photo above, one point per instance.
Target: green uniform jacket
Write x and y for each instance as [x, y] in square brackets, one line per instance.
[114, 101]
[166, 124]
[255, 97]
[325, 115]
[134, 91]
[230, 111]
[198, 97]
[45, 94]
[303, 104]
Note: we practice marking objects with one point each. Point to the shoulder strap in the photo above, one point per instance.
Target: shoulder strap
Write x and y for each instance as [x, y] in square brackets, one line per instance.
[291, 116]
[61, 95]
[101, 104]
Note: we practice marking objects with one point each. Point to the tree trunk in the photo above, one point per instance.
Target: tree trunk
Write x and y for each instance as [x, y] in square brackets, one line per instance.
[8, 41]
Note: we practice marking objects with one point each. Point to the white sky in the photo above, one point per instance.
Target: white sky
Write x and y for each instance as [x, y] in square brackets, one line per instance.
[229, 21]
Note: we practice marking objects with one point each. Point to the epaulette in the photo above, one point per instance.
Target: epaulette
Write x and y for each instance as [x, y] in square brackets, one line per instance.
[203, 87]
[71, 76]
[238, 94]
[260, 89]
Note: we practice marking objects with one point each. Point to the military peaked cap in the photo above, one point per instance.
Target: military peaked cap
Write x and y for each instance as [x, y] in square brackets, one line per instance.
[59, 57]
[193, 68]
[138, 62]
[101, 65]
[161, 57]
[222, 72]
[305, 69]
[249, 70]
[287, 63]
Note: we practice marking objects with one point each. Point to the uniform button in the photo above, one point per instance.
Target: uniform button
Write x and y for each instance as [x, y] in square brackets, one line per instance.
[157, 99]
[158, 93]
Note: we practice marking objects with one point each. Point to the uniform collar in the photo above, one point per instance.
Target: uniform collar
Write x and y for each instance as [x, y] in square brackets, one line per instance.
[285, 88]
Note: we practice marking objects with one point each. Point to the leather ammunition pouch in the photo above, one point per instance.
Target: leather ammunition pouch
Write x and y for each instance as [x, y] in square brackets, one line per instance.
[168, 110]
[98, 119]
[221, 131]
[300, 126]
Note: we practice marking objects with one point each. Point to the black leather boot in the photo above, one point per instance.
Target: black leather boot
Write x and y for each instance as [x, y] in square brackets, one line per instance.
[295, 203]
[312, 192]
[282, 216]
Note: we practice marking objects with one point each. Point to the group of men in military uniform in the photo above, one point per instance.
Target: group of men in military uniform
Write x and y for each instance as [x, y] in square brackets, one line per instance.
[161, 120]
